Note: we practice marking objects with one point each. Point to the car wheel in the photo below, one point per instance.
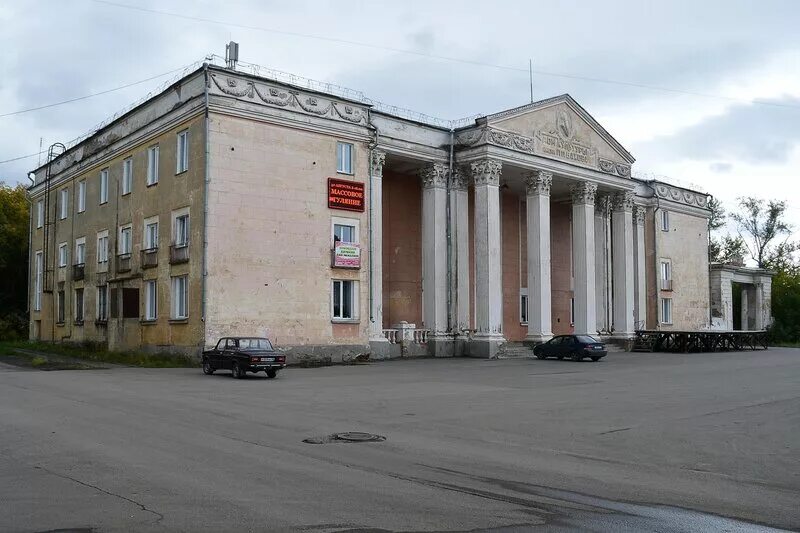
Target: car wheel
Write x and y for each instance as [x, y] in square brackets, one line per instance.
[271, 373]
[595, 358]
[541, 356]
[560, 357]
[237, 372]
[577, 357]
[207, 368]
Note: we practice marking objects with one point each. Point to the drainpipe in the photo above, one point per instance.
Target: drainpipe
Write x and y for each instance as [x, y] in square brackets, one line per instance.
[448, 226]
[206, 179]
[371, 147]
[656, 262]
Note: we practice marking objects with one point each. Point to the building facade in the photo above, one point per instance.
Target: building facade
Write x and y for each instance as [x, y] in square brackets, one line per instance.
[232, 204]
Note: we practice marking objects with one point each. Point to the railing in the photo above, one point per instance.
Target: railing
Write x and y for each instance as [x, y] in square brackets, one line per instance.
[78, 271]
[666, 284]
[421, 336]
[149, 258]
[391, 335]
[124, 263]
[178, 253]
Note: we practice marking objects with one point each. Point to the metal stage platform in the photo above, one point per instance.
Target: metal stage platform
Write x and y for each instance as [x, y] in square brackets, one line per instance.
[698, 341]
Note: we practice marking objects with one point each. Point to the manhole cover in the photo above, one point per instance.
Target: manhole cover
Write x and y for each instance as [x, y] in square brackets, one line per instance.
[347, 436]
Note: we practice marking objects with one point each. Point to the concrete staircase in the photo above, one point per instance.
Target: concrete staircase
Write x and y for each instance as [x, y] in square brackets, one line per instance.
[514, 350]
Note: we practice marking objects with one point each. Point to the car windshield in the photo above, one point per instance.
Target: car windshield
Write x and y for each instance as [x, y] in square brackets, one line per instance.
[254, 344]
[587, 338]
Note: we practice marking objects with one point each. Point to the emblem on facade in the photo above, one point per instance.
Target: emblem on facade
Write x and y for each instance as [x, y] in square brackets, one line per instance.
[564, 125]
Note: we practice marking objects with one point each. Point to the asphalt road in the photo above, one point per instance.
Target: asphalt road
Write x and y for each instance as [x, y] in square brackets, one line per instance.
[637, 442]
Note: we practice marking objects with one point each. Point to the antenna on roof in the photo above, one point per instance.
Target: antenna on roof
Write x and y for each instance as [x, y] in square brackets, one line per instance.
[232, 54]
[530, 72]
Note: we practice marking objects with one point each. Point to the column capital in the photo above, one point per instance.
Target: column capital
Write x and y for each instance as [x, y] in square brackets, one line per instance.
[434, 176]
[639, 212]
[602, 204]
[460, 178]
[623, 201]
[538, 182]
[378, 160]
[583, 192]
[486, 171]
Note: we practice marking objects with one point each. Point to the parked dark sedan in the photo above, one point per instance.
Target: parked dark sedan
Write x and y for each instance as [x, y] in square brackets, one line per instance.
[576, 347]
[243, 354]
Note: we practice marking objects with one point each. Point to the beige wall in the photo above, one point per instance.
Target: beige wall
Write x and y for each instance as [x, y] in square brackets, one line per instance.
[172, 192]
[269, 235]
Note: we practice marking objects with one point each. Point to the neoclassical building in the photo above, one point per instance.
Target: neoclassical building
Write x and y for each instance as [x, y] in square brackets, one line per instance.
[231, 204]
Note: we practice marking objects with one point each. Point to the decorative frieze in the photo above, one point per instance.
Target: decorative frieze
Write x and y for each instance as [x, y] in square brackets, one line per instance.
[378, 160]
[434, 175]
[538, 182]
[623, 201]
[616, 169]
[486, 172]
[583, 193]
[639, 212]
[683, 196]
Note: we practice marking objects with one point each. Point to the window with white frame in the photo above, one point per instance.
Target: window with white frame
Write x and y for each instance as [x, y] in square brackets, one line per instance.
[181, 229]
[80, 251]
[37, 295]
[104, 186]
[180, 297]
[344, 158]
[64, 204]
[102, 247]
[664, 220]
[151, 233]
[150, 300]
[665, 267]
[127, 176]
[344, 300]
[79, 306]
[125, 240]
[62, 254]
[152, 165]
[102, 303]
[81, 196]
[523, 306]
[666, 310]
[182, 153]
[39, 213]
[344, 230]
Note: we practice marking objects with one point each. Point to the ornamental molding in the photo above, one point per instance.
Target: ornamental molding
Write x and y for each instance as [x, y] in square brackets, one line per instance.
[583, 193]
[682, 196]
[538, 182]
[434, 176]
[289, 99]
[639, 212]
[459, 181]
[378, 160]
[486, 172]
[602, 205]
[623, 201]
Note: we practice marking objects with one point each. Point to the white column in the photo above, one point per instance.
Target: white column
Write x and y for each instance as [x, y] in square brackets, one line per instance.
[744, 313]
[434, 248]
[539, 292]
[459, 212]
[488, 273]
[759, 305]
[376, 243]
[622, 250]
[639, 286]
[583, 195]
[602, 267]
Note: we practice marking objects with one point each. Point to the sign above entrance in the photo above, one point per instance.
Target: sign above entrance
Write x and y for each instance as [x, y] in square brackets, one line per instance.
[347, 195]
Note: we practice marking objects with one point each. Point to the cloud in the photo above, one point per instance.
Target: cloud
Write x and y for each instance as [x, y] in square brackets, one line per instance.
[720, 168]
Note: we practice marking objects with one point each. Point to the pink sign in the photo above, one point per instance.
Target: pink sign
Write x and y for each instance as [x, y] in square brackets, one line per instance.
[347, 255]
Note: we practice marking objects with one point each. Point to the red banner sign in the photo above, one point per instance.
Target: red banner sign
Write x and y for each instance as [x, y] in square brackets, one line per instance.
[344, 194]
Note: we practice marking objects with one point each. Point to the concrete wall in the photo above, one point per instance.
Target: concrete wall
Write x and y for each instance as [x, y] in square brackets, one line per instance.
[269, 237]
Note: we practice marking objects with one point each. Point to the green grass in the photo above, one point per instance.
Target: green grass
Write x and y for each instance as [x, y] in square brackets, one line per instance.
[92, 353]
[787, 344]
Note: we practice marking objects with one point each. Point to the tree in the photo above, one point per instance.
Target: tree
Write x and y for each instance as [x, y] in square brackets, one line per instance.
[727, 249]
[762, 224]
[14, 228]
[717, 218]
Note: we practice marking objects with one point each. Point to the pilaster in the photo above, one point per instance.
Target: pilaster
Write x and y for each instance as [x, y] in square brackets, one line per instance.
[623, 278]
[378, 342]
[539, 282]
[602, 261]
[459, 212]
[640, 286]
[583, 196]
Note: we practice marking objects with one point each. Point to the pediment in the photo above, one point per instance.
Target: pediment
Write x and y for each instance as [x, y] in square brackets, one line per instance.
[561, 129]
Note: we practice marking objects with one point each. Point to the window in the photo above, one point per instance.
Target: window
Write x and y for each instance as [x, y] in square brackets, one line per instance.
[182, 153]
[104, 186]
[152, 165]
[666, 274]
[344, 300]
[150, 300]
[344, 158]
[80, 251]
[180, 297]
[127, 176]
[664, 220]
[37, 297]
[344, 233]
[39, 213]
[62, 254]
[81, 196]
[666, 310]
[102, 303]
[182, 230]
[60, 317]
[523, 306]
[151, 234]
[124, 240]
[64, 204]
[102, 247]
[79, 306]
[130, 302]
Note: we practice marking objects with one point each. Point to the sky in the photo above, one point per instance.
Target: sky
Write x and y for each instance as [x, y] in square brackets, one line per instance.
[702, 93]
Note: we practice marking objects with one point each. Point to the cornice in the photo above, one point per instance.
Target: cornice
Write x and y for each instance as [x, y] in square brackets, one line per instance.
[680, 195]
